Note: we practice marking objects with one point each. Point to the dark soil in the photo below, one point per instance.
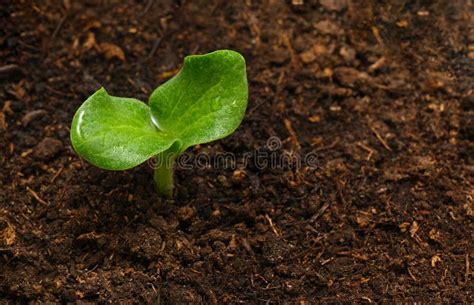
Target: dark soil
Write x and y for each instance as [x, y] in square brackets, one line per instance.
[381, 94]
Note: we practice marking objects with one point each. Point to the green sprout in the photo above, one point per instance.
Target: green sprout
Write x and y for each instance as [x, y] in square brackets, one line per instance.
[204, 102]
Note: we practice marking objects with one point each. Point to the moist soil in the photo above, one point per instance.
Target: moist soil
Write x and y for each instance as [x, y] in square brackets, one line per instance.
[379, 96]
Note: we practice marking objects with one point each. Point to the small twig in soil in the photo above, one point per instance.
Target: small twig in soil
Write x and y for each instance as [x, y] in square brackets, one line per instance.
[377, 64]
[56, 175]
[32, 115]
[287, 41]
[59, 26]
[154, 48]
[379, 137]
[468, 268]
[262, 278]
[377, 35]
[368, 149]
[251, 111]
[444, 275]
[411, 275]
[36, 196]
[280, 80]
[147, 7]
[90, 270]
[327, 261]
[26, 153]
[327, 146]
[28, 46]
[291, 131]
[9, 70]
[272, 225]
[319, 213]
[61, 93]
[339, 191]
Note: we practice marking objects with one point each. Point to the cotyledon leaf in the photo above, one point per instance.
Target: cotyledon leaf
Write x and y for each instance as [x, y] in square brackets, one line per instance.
[205, 101]
[116, 133]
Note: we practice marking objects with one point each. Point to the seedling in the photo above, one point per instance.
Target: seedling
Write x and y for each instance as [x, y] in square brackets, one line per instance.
[204, 102]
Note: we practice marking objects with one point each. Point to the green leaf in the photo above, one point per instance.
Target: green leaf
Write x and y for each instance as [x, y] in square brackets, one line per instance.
[116, 133]
[205, 101]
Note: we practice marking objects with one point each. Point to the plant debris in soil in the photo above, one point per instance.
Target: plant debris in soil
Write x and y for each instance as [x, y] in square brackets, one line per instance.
[380, 95]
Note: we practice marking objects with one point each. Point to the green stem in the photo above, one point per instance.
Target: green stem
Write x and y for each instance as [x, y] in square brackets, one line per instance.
[164, 174]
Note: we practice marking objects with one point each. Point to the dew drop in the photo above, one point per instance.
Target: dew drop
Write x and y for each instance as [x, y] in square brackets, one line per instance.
[155, 122]
[216, 104]
[79, 123]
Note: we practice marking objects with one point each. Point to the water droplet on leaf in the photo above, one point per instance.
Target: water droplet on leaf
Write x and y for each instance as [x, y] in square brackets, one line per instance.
[216, 105]
[79, 123]
[155, 122]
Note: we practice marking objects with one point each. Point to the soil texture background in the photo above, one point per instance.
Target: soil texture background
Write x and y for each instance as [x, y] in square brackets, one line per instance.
[378, 94]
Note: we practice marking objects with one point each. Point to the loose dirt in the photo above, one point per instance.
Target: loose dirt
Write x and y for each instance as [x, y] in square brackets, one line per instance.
[379, 95]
